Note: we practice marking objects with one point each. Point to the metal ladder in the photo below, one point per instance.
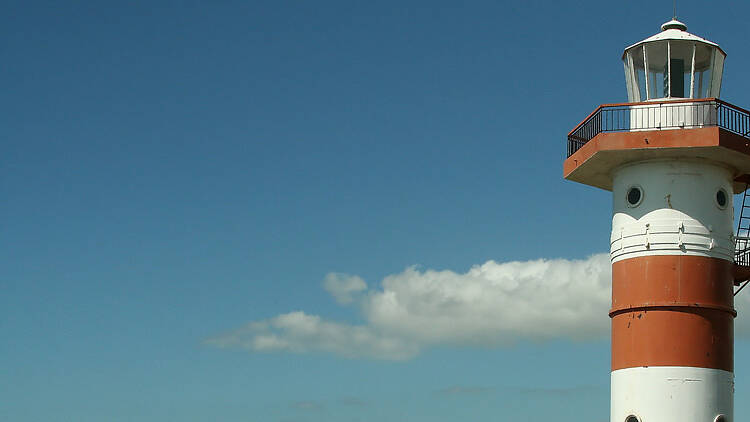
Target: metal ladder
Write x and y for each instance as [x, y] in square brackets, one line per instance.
[742, 239]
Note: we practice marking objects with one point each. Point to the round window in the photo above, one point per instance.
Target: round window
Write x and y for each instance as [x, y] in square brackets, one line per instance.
[722, 199]
[632, 418]
[634, 196]
[720, 418]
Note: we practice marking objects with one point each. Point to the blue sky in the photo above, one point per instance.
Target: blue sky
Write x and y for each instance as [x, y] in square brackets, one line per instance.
[181, 179]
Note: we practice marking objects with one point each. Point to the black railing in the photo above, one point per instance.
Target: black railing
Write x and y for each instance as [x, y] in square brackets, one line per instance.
[742, 238]
[680, 114]
[742, 251]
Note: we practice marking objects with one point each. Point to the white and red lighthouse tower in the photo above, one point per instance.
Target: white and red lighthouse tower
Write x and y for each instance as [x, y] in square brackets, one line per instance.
[672, 156]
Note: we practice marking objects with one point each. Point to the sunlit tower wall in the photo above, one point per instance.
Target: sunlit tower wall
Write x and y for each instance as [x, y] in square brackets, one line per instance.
[672, 156]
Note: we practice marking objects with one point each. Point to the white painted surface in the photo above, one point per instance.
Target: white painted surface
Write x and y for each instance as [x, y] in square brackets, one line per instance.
[675, 34]
[678, 214]
[673, 24]
[672, 116]
[672, 394]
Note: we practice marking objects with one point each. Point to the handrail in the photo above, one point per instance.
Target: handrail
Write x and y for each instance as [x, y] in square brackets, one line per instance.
[640, 103]
[657, 115]
[738, 108]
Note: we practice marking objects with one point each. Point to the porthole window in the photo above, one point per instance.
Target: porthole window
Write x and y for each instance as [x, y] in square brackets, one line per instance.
[720, 418]
[634, 196]
[722, 199]
[632, 418]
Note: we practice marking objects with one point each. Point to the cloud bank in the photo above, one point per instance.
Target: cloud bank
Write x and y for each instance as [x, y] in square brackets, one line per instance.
[491, 304]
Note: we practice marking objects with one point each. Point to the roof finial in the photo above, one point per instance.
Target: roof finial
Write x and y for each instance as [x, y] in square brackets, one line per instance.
[674, 10]
[674, 24]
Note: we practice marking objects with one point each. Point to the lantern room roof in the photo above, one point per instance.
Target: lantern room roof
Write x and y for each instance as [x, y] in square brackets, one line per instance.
[675, 30]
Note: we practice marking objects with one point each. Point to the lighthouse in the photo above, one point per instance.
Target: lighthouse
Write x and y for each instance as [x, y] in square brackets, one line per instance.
[673, 155]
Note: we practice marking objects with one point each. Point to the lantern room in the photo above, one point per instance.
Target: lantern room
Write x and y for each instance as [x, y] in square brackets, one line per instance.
[673, 112]
[673, 64]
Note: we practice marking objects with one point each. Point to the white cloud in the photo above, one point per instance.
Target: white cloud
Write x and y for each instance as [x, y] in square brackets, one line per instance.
[343, 287]
[491, 304]
[496, 303]
[301, 333]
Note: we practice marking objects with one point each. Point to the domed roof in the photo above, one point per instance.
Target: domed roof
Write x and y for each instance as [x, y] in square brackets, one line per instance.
[673, 24]
[675, 30]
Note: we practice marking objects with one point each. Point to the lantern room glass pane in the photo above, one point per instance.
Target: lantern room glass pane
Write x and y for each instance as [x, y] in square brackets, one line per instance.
[635, 74]
[718, 70]
[681, 62]
[704, 60]
[658, 78]
[628, 80]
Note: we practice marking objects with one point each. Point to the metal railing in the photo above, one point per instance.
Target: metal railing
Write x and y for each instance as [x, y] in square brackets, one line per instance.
[663, 115]
[742, 250]
[742, 238]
